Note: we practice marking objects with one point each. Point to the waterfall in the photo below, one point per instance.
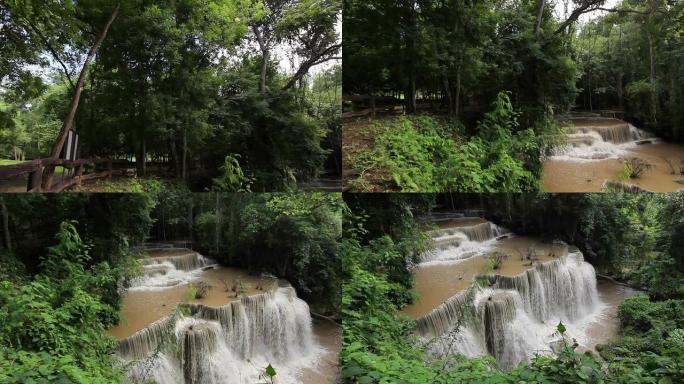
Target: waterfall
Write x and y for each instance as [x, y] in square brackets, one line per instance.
[169, 271]
[187, 262]
[515, 316]
[565, 288]
[457, 243]
[592, 140]
[455, 311]
[146, 341]
[197, 339]
[222, 344]
[616, 133]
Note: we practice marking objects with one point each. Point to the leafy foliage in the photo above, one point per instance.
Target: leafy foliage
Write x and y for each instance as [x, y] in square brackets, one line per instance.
[631, 61]
[420, 156]
[53, 324]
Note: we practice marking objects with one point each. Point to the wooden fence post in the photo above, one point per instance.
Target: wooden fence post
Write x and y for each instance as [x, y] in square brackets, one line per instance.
[79, 173]
[35, 179]
[49, 173]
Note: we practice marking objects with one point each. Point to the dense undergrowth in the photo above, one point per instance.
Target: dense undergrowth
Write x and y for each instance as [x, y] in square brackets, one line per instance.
[52, 324]
[379, 346]
[428, 154]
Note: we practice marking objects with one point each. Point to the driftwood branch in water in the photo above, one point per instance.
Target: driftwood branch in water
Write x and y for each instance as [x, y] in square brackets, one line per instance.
[327, 318]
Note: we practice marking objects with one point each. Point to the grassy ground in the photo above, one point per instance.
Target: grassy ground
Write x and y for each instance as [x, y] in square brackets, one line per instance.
[9, 162]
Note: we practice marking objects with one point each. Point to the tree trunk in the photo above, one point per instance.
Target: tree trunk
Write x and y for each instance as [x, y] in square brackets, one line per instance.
[264, 67]
[217, 229]
[591, 105]
[457, 101]
[141, 160]
[265, 54]
[174, 156]
[5, 225]
[654, 90]
[447, 92]
[191, 220]
[372, 104]
[411, 92]
[620, 92]
[69, 120]
[185, 152]
[540, 14]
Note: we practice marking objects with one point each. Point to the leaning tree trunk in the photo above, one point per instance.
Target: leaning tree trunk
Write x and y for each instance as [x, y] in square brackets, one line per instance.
[69, 120]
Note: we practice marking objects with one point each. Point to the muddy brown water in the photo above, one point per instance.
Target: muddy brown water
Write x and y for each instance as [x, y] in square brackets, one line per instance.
[608, 328]
[140, 308]
[569, 175]
[573, 176]
[327, 370]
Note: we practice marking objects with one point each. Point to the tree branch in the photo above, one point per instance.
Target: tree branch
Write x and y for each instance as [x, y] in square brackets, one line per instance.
[584, 8]
[590, 6]
[622, 10]
[313, 61]
[52, 51]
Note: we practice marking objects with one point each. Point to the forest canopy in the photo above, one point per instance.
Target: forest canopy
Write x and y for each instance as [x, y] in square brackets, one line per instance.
[192, 90]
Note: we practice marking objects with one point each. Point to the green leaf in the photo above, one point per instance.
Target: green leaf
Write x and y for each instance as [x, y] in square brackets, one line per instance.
[561, 328]
[270, 371]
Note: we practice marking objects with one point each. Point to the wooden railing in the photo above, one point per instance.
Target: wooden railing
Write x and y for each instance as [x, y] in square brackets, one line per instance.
[38, 169]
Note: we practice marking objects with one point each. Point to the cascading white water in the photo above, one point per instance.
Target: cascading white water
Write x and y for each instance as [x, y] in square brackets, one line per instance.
[230, 344]
[168, 271]
[601, 141]
[457, 243]
[516, 316]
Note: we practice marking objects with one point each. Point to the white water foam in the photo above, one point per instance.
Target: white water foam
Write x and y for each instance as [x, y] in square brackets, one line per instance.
[517, 317]
[229, 345]
[170, 271]
[586, 144]
[459, 243]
